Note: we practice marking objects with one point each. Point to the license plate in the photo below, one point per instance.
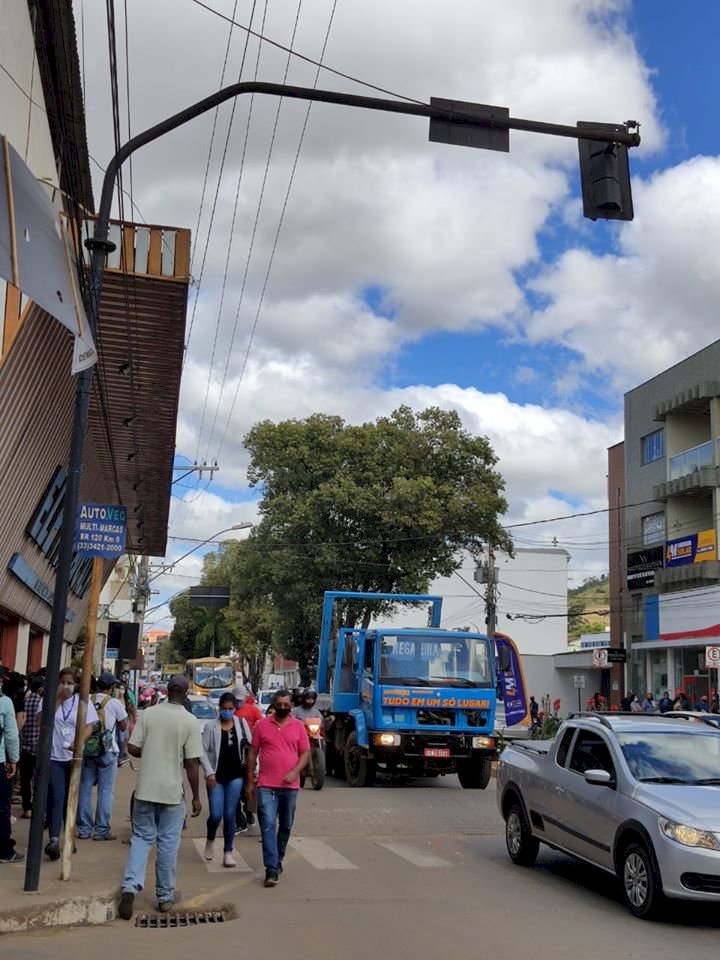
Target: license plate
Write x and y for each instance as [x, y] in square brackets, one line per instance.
[437, 752]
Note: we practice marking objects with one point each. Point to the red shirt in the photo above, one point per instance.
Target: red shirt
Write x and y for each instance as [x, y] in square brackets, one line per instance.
[279, 748]
[249, 713]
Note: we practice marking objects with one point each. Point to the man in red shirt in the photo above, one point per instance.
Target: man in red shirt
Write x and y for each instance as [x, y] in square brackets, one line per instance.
[246, 708]
[281, 744]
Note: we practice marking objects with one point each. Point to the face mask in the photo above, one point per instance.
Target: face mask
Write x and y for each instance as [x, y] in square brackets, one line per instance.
[227, 714]
[308, 704]
[282, 712]
[67, 689]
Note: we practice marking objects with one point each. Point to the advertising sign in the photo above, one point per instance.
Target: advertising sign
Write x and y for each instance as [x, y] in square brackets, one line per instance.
[512, 682]
[100, 530]
[617, 655]
[423, 698]
[695, 548]
[641, 567]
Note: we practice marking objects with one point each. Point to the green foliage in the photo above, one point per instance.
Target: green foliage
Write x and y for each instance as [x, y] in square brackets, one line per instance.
[592, 595]
[381, 507]
[198, 630]
[547, 730]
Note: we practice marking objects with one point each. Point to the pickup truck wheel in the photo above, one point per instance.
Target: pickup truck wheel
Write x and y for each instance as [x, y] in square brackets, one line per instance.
[475, 774]
[522, 846]
[640, 880]
[359, 770]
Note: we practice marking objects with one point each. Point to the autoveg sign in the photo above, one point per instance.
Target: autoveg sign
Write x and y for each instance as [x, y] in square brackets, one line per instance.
[101, 530]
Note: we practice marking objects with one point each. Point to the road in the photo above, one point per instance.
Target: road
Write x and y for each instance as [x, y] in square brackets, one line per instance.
[405, 871]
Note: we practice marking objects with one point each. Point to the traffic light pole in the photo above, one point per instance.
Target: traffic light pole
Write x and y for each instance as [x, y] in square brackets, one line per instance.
[476, 125]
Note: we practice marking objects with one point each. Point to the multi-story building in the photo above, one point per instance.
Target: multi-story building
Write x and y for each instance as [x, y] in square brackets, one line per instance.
[129, 446]
[664, 484]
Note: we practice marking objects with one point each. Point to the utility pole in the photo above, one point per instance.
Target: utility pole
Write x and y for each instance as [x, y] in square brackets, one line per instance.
[491, 594]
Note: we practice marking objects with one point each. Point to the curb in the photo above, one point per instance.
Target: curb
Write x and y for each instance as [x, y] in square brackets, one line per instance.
[71, 912]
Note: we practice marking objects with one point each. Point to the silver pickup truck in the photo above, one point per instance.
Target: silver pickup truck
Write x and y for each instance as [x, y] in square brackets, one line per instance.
[636, 795]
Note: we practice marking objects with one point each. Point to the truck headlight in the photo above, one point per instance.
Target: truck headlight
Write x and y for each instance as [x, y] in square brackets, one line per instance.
[484, 743]
[689, 836]
[386, 739]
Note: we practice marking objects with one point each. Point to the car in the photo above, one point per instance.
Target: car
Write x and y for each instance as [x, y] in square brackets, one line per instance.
[635, 795]
[203, 709]
[698, 716]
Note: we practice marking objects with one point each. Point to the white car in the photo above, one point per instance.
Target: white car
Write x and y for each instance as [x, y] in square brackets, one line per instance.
[203, 709]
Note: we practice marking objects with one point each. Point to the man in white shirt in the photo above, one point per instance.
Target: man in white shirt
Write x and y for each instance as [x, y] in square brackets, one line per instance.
[167, 738]
[100, 770]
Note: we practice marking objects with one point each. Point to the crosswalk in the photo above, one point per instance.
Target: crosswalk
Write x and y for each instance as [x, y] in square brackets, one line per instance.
[323, 855]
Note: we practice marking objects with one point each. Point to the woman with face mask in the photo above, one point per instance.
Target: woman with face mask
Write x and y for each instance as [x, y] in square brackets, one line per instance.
[225, 745]
[61, 753]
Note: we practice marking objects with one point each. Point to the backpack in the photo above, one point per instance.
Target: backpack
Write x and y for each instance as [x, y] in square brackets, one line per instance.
[100, 740]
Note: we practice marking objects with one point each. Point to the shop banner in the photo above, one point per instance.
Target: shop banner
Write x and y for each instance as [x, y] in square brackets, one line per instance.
[512, 683]
[641, 567]
[695, 548]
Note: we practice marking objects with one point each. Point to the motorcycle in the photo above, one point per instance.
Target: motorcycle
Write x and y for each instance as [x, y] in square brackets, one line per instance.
[316, 762]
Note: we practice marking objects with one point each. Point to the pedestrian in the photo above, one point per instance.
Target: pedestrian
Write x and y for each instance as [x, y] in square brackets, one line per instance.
[626, 701]
[681, 701]
[534, 711]
[99, 766]
[29, 743]
[9, 756]
[246, 707]
[167, 738]
[635, 705]
[280, 744]
[127, 698]
[715, 706]
[702, 705]
[226, 742]
[665, 704]
[61, 754]
[648, 703]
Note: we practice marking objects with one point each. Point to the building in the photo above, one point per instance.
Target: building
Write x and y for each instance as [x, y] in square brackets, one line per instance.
[129, 446]
[150, 642]
[664, 569]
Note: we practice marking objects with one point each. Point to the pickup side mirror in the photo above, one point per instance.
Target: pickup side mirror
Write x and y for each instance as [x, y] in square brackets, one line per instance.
[598, 778]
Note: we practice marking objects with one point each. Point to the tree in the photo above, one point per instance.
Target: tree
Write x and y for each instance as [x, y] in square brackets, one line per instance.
[381, 507]
[198, 630]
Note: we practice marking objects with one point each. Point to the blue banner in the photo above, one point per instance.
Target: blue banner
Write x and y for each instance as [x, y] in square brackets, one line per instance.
[512, 683]
[100, 530]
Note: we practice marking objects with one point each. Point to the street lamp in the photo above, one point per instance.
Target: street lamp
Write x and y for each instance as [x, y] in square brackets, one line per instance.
[236, 526]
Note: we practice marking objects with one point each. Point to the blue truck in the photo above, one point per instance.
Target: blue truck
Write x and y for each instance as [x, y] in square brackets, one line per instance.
[419, 702]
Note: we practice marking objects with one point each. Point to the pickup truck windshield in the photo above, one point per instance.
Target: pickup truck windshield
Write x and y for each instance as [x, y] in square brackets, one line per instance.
[429, 661]
[664, 757]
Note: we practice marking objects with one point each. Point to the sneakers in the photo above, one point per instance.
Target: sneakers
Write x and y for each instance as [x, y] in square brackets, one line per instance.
[106, 836]
[251, 821]
[126, 905]
[16, 857]
[209, 852]
[52, 850]
[271, 878]
[166, 905]
[229, 860]
[241, 828]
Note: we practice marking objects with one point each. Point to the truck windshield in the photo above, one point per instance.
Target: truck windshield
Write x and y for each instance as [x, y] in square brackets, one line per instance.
[426, 660]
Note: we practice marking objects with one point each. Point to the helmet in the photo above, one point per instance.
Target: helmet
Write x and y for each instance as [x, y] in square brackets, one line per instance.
[297, 693]
[309, 694]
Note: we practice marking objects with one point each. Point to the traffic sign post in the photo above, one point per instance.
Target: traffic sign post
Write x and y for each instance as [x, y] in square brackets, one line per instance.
[579, 684]
[712, 662]
[600, 658]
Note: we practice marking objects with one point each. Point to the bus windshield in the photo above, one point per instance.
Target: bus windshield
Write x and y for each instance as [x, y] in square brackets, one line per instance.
[426, 660]
[211, 676]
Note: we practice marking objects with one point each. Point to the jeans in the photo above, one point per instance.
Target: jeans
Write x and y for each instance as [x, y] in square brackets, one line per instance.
[7, 844]
[121, 738]
[57, 796]
[158, 824]
[27, 777]
[276, 807]
[223, 800]
[100, 772]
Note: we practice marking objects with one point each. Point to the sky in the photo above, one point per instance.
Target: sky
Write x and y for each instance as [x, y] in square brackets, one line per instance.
[344, 264]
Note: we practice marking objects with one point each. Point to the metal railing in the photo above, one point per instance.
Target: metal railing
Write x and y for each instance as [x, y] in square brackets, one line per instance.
[691, 461]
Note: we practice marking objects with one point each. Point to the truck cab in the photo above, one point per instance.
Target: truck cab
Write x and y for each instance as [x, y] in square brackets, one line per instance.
[416, 701]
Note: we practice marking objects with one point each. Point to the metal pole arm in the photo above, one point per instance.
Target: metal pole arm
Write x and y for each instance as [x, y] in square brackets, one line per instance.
[434, 112]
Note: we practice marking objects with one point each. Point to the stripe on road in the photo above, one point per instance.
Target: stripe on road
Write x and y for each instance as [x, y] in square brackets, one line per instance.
[216, 865]
[413, 855]
[320, 854]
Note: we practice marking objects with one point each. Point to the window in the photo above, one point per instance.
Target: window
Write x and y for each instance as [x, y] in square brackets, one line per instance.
[653, 446]
[636, 606]
[564, 746]
[653, 528]
[591, 753]
[369, 654]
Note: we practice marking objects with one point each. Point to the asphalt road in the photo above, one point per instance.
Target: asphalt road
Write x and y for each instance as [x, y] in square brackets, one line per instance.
[407, 871]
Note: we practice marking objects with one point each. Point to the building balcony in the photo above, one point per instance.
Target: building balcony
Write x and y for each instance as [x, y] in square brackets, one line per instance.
[695, 399]
[690, 473]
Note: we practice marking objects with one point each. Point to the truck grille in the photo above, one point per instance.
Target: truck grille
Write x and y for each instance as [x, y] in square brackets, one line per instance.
[436, 718]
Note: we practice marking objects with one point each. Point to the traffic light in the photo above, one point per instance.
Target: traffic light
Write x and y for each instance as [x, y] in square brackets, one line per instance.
[605, 176]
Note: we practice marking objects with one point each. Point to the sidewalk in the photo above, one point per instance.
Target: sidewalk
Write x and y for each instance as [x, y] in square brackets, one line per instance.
[90, 896]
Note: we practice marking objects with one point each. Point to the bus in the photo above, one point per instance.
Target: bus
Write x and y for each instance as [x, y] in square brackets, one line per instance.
[210, 674]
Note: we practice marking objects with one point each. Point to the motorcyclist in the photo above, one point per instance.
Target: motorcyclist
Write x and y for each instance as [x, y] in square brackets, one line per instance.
[306, 709]
[296, 696]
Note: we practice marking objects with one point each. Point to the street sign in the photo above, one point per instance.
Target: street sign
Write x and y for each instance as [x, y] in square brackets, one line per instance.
[600, 658]
[204, 596]
[617, 655]
[579, 681]
[712, 657]
[100, 530]
[463, 134]
[112, 653]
